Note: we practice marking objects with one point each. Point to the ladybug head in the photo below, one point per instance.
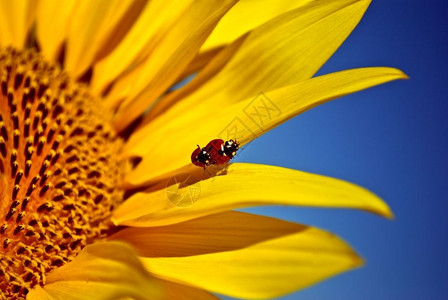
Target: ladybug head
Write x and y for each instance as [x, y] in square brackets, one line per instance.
[230, 148]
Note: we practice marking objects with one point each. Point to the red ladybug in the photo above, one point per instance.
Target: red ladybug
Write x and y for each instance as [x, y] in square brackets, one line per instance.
[217, 152]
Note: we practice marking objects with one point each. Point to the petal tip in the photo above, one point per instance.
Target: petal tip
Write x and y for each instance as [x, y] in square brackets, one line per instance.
[359, 261]
[402, 74]
[390, 215]
[384, 210]
[397, 73]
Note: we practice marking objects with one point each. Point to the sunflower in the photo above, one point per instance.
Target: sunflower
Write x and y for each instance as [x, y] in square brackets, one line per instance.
[101, 104]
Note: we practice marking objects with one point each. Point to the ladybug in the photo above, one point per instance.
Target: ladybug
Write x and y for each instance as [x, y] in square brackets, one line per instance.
[217, 152]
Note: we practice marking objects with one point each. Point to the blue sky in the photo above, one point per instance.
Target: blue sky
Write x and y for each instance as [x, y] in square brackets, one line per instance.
[391, 139]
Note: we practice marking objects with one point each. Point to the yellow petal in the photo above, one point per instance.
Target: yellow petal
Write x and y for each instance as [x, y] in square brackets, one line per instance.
[279, 54]
[263, 271]
[74, 290]
[243, 185]
[226, 231]
[52, 24]
[121, 89]
[244, 121]
[90, 27]
[284, 51]
[245, 16]
[219, 60]
[171, 57]
[16, 18]
[200, 61]
[153, 23]
[100, 271]
[175, 291]
[124, 22]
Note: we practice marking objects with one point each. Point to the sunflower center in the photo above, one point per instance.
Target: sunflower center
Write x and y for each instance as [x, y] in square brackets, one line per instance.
[59, 170]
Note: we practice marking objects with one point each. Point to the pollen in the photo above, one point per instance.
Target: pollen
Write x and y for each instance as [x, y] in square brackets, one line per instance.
[59, 170]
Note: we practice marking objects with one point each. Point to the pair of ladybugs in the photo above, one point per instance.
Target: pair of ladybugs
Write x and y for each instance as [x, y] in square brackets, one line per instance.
[217, 152]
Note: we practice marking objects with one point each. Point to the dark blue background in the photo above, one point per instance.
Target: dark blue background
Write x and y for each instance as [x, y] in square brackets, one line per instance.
[391, 139]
